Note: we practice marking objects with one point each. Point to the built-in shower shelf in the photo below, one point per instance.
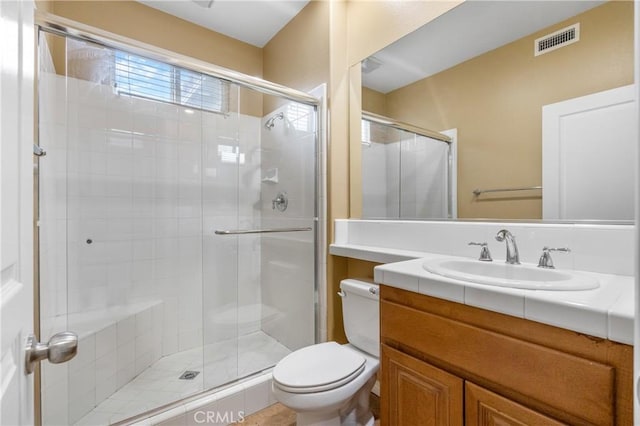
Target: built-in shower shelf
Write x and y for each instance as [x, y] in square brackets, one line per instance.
[271, 176]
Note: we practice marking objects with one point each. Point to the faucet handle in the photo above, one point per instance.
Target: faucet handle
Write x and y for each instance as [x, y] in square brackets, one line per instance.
[545, 259]
[485, 255]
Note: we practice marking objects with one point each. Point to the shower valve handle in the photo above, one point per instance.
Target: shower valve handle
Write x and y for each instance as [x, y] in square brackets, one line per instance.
[280, 202]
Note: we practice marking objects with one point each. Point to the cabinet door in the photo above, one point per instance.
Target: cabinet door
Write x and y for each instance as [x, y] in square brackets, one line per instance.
[416, 393]
[485, 408]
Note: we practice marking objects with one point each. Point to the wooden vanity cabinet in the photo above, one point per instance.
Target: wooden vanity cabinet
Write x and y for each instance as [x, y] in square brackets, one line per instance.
[485, 408]
[446, 363]
[418, 393]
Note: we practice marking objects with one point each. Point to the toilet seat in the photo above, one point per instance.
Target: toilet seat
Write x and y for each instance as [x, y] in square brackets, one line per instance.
[318, 368]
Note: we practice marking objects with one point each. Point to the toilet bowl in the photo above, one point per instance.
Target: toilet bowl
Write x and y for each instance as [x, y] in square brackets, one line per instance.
[328, 383]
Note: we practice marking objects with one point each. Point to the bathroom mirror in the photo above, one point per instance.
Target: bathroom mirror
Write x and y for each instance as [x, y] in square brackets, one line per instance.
[488, 69]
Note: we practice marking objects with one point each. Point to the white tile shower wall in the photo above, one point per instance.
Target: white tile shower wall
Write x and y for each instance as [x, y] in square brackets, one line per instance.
[423, 172]
[374, 180]
[392, 200]
[595, 248]
[394, 186]
[287, 266]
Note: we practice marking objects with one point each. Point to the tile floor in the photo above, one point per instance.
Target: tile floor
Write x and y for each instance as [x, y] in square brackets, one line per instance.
[159, 384]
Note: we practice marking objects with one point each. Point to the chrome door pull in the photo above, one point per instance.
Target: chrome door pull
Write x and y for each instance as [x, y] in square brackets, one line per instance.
[60, 348]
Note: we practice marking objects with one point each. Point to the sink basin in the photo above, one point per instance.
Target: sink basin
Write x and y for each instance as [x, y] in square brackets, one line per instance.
[516, 276]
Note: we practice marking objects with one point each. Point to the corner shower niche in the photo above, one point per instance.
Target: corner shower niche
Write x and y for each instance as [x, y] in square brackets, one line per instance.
[131, 191]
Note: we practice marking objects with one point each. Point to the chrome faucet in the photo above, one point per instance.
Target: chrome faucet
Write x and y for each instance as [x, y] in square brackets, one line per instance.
[513, 258]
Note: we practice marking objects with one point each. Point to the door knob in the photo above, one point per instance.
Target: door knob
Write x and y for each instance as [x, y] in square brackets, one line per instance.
[60, 348]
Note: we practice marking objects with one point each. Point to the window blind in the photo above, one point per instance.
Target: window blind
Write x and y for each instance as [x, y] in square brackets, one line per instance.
[139, 76]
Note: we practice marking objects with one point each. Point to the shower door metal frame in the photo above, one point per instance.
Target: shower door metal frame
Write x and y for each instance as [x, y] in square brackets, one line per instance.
[54, 24]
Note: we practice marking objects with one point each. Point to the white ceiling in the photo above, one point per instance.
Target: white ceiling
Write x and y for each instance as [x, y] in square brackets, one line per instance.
[252, 21]
[469, 30]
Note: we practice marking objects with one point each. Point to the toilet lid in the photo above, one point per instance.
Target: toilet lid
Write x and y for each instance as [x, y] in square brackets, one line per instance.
[318, 368]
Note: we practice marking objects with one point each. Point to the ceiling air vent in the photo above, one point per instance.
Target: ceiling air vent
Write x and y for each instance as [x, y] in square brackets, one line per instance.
[370, 64]
[556, 40]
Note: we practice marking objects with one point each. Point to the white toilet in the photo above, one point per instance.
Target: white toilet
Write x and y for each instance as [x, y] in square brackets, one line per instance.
[328, 383]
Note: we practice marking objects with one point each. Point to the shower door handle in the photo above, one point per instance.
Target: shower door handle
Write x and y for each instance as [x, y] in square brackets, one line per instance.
[259, 231]
[60, 348]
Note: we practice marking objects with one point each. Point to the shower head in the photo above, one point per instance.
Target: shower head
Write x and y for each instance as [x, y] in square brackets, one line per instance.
[272, 121]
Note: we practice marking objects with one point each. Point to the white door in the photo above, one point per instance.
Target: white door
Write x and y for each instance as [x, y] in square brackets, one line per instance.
[589, 147]
[16, 207]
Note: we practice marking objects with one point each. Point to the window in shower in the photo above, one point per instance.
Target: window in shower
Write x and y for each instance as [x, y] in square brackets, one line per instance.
[300, 116]
[131, 193]
[139, 76]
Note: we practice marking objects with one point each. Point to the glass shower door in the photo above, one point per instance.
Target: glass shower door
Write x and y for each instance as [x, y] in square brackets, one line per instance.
[288, 206]
[259, 236]
[222, 161]
[127, 207]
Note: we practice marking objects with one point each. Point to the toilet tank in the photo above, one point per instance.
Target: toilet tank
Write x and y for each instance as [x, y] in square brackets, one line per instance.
[361, 314]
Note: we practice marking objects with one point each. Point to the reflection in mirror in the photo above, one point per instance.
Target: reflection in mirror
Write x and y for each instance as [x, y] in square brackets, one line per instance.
[488, 69]
[408, 173]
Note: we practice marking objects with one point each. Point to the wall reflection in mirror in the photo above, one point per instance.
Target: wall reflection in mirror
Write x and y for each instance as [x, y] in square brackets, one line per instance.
[538, 94]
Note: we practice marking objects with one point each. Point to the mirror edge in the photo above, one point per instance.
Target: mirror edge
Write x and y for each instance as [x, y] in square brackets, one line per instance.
[355, 137]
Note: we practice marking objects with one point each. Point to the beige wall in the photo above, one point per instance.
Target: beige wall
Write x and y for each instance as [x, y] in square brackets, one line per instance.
[44, 5]
[298, 56]
[337, 159]
[137, 21]
[495, 101]
[374, 102]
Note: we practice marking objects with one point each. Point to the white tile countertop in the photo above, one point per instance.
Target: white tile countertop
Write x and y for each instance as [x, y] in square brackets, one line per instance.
[606, 312]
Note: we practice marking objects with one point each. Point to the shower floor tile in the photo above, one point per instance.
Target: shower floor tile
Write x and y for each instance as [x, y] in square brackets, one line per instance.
[158, 385]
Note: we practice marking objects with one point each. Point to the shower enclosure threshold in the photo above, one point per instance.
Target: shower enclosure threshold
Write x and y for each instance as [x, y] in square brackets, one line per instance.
[160, 383]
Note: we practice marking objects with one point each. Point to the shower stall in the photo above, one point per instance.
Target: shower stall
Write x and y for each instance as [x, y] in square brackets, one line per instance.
[407, 172]
[178, 225]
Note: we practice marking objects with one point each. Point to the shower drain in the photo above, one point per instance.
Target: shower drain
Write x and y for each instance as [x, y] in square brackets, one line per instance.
[189, 375]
